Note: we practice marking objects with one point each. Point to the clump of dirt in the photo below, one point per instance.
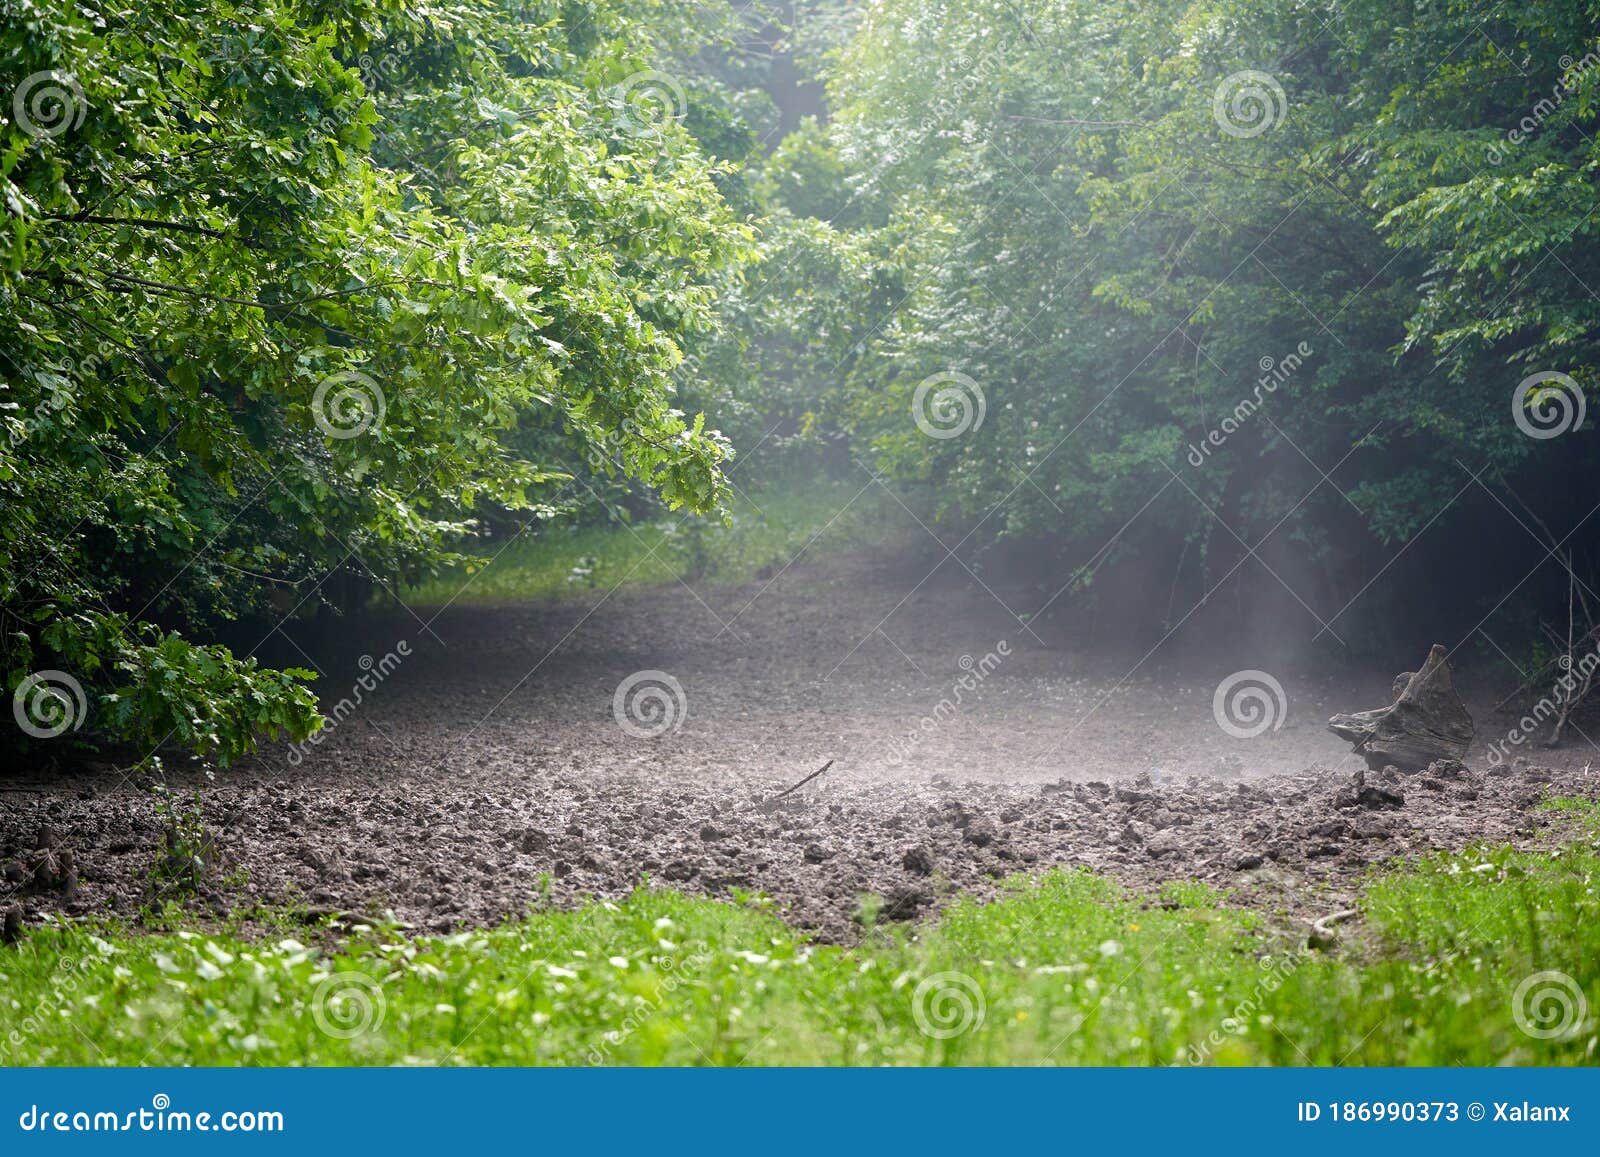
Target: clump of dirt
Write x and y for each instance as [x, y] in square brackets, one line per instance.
[491, 770]
[441, 857]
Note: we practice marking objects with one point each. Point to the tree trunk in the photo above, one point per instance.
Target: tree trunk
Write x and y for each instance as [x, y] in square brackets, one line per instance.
[1427, 721]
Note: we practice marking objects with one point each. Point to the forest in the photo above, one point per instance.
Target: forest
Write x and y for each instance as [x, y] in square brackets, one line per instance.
[468, 463]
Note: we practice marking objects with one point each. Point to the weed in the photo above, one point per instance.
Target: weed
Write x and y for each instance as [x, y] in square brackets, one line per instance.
[1064, 968]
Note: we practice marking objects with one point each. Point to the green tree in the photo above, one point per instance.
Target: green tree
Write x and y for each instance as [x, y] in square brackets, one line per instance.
[1116, 225]
[280, 285]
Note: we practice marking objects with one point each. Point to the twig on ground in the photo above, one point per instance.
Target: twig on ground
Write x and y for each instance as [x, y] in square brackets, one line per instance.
[803, 782]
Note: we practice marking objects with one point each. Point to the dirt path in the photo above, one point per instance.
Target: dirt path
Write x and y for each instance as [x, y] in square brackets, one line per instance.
[485, 763]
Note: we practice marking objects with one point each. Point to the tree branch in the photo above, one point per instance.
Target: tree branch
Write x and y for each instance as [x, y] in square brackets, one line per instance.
[147, 223]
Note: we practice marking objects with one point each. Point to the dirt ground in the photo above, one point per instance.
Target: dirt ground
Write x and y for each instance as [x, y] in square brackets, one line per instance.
[485, 769]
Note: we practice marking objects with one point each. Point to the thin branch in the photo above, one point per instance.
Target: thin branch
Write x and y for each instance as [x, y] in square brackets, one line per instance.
[200, 295]
[1076, 122]
[803, 782]
[145, 223]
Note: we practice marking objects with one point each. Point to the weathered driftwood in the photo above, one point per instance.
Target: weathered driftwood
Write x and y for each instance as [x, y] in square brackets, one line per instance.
[1427, 721]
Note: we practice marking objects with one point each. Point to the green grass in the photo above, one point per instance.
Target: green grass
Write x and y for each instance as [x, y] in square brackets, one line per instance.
[769, 529]
[1065, 968]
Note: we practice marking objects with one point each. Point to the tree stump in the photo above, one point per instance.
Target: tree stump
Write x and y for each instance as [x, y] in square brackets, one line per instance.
[1427, 721]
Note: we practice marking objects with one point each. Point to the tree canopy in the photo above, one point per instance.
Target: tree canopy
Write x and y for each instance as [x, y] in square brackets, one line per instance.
[299, 298]
[1286, 274]
[288, 292]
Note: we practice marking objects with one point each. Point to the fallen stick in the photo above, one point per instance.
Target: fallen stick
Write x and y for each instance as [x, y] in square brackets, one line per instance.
[1322, 933]
[803, 782]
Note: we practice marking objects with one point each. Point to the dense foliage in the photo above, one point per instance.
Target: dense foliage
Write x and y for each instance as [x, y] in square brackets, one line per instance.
[1464, 959]
[288, 292]
[298, 300]
[1208, 282]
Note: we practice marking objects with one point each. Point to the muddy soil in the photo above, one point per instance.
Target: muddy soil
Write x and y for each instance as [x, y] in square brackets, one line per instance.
[487, 764]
